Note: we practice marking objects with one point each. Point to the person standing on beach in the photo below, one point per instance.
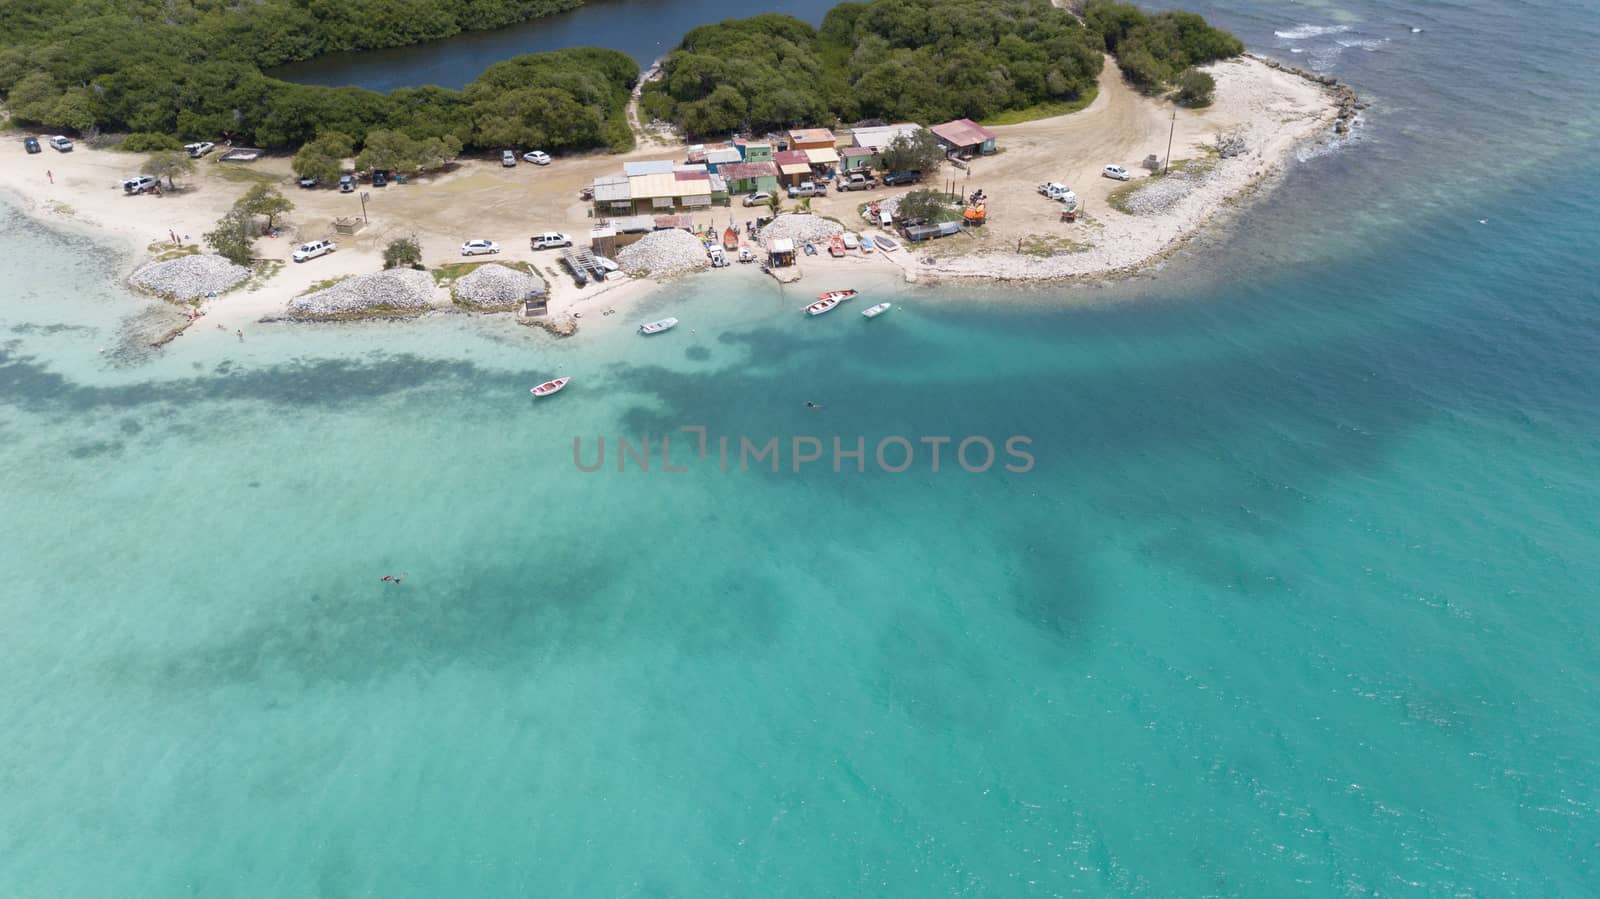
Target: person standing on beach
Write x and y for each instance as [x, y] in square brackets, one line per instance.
[51, 175]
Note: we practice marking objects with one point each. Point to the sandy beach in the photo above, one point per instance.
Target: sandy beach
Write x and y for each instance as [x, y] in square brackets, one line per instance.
[1274, 111]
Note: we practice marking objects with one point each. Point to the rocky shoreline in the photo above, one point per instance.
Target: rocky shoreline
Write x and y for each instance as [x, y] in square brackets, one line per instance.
[1345, 98]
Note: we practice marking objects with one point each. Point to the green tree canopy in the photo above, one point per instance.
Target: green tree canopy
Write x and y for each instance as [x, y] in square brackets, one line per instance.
[264, 199]
[168, 164]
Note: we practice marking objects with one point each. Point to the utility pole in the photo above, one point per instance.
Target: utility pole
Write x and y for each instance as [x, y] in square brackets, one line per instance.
[363, 207]
[1174, 127]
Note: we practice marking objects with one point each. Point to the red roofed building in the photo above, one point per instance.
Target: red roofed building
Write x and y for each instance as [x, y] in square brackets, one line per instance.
[965, 136]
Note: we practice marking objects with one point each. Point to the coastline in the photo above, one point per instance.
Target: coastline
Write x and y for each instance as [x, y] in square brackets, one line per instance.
[1276, 108]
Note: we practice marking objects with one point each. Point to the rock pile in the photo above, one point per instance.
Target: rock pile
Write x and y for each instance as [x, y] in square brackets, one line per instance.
[190, 277]
[395, 290]
[496, 286]
[800, 227]
[664, 253]
[1158, 195]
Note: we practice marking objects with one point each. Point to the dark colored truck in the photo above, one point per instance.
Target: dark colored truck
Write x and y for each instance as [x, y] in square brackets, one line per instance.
[894, 179]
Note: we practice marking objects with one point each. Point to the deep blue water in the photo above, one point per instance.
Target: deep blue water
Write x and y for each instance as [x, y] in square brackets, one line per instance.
[1299, 597]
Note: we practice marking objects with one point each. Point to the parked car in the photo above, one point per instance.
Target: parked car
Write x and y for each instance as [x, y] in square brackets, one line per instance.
[894, 179]
[537, 157]
[31, 144]
[61, 144]
[309, 182]
[1054, 190]
[807, 189]
[380, 179]
[347, 183]
[508, 158]
[140, 184]
[199, 149]
[856, 181]
[314, 249]
[479, 248]
[759, 198]
[551, 239]
[1117, 172]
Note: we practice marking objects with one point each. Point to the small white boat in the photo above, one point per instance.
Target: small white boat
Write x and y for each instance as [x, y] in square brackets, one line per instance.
[877, 310]
[656, 327]
[822, 306]
[840, 295]
[850, 239]
[550, 387]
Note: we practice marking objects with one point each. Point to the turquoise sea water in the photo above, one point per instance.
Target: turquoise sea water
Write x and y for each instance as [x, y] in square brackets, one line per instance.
[1298, 599]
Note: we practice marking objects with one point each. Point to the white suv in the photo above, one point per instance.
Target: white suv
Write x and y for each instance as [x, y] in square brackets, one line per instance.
[479, 247]
[314, 249]
[138, 185]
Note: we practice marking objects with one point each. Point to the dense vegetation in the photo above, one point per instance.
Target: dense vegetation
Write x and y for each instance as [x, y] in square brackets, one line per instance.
[193, 69]
[916, 60]
[1155, 50]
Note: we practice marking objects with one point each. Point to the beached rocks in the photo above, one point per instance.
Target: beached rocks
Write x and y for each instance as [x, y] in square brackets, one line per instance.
[1159, 195]
[496, 287]
[190, 277]
[800, 227]
[395, 290]
[663, 253]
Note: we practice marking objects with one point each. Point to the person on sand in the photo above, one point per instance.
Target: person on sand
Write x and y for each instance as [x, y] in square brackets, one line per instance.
[241, 335]
[51, 175]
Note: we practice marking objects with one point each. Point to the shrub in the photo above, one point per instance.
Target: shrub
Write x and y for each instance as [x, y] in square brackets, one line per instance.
[150, 142]
[1196, 88]
[402, 252]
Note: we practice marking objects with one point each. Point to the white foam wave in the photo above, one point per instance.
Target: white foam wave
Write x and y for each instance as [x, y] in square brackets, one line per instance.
[1301, 32]
[1369, 44]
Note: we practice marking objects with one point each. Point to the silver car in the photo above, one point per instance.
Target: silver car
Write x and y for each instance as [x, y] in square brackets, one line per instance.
[1117, 172]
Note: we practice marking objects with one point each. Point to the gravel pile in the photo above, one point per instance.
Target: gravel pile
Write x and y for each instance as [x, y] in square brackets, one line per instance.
[395, 290]
[1159, 195]
[190, 277]
[496, 286]
[664, 252]
[800, 227]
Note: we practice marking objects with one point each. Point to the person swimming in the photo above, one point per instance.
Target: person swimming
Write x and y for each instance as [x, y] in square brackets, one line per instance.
[811, 405]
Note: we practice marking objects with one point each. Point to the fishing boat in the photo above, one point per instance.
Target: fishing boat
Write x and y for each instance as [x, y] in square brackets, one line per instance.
[730, 239]
[836, 246]
[877, 310]
[811, 249]
[840, 295]
[549, 387]
[885, 244]
[822, 306]
[866, 244]
[656, 327]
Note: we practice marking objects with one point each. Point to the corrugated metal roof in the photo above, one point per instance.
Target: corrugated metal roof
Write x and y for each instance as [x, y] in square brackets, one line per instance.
[829, 156]
[653, 167]
[740, 171]
[882, 135]
[796, 168]
[851, 152]
[650, 187]
[718, 157]
[609, 189]
[963, 133]
[810, 136]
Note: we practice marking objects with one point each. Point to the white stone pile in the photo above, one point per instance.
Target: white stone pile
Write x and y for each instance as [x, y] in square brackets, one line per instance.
[395, 290]
[800, 227]
[496, 286]
[190, 277]
[1159, 195]
[664, 252]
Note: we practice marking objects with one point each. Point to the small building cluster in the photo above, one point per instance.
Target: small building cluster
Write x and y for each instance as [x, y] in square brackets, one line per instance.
[712, 174]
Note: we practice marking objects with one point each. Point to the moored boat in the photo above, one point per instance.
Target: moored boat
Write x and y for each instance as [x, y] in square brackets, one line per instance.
[730, 239]
[822, 306]
[656, 327]
[836, 246]
[866, 244]
[885, 244]
[549, 387]
[840, 295]
[877, 310]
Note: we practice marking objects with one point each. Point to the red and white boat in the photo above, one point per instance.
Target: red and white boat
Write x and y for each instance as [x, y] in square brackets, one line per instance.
[840, 295]
[836, 246]
[550, 387]
[822, 306]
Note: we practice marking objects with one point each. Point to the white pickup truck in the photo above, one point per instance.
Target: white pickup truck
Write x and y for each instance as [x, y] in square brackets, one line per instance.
[314, 249]
[549, 240]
